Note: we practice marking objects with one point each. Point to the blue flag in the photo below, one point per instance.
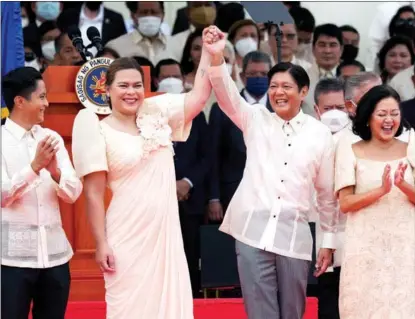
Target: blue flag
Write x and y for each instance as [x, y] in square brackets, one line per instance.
[12, 48]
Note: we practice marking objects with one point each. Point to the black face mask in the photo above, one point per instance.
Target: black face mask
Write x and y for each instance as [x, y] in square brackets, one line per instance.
[349, 52]
[405, 27]
[29, 56]
[93, 5]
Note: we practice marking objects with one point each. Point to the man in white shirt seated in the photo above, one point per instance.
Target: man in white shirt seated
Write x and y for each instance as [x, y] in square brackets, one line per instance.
[147, 40]
[36, 172]
[288, 153]
[331, 110]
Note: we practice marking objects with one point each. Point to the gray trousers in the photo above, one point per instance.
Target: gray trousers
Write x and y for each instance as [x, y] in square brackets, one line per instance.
[273, 286]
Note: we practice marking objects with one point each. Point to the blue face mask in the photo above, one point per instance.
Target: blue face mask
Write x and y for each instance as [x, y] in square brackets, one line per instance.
[257, 86]
[48, 10]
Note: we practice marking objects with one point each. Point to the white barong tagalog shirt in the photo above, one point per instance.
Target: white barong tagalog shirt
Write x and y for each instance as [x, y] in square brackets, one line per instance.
[285, 162]
[32, 233]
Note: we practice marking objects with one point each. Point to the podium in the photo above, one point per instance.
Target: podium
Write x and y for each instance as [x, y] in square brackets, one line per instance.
[87, 282]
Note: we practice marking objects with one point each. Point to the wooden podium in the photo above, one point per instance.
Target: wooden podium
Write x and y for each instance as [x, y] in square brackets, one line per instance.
[87, 280]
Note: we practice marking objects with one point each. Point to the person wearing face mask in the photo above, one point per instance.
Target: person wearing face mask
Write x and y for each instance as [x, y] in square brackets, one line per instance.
[48, 32]
[169, 77]
[43, 11]
[200, 14]
[351, 40]
[305, 24]
[109, 23]
[191, 162]
[228, 146]
[46, 11]
[131, 23]
[331, 111]
[245, 37]
[33, 52]
[147, 40]
[25, 14]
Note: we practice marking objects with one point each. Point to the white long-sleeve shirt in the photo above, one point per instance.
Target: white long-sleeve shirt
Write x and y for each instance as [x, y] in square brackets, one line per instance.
[285, 161]
[32, 233]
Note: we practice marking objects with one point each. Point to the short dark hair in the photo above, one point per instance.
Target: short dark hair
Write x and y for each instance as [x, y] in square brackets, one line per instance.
[347, 63]
[303, 19]
[133, 5]
[366, 107]
[256, 57]
[297, 72]
[329, 30]
[328, 85]
[348, 28]
[166, 62]
[22, 81]
[107, 50]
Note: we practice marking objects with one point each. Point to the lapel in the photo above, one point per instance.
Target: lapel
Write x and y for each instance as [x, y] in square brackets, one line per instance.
[106, 25]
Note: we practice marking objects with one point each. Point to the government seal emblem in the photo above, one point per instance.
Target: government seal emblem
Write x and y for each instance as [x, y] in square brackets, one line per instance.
[90, 85]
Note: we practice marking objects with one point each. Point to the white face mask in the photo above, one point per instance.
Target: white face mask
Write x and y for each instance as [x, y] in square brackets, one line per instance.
[229, 67]
[149, 26]
[48, 50]
[335, 120]
[171, 85]
[25, 22]
[245, 45]
[33, 64]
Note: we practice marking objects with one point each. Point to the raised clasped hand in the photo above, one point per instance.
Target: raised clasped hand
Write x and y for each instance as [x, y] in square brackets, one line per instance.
[399, 178]
[214, 40]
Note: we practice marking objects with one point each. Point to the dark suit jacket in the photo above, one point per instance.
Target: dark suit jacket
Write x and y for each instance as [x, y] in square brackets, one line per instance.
[191, 161]
[408, 109]
[228, 156]
[113, 25]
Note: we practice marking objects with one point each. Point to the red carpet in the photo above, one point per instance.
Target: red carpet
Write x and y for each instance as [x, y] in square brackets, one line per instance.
[203, 309]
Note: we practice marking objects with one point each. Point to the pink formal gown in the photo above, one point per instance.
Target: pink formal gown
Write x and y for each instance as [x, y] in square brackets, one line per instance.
[378, 270]
[151, 280]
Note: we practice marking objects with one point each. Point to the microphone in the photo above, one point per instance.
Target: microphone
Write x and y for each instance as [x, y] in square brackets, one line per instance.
[75, 35]
[95, 38]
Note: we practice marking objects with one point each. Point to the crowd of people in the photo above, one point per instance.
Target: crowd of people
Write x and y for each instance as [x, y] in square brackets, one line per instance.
[263, 148]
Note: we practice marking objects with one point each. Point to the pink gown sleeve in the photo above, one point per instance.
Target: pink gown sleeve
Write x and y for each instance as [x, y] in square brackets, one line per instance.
[172, 106]
[88, 144]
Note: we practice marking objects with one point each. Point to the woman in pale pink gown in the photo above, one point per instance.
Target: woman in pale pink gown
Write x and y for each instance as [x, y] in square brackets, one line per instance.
[376, 187]
[139, 241]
